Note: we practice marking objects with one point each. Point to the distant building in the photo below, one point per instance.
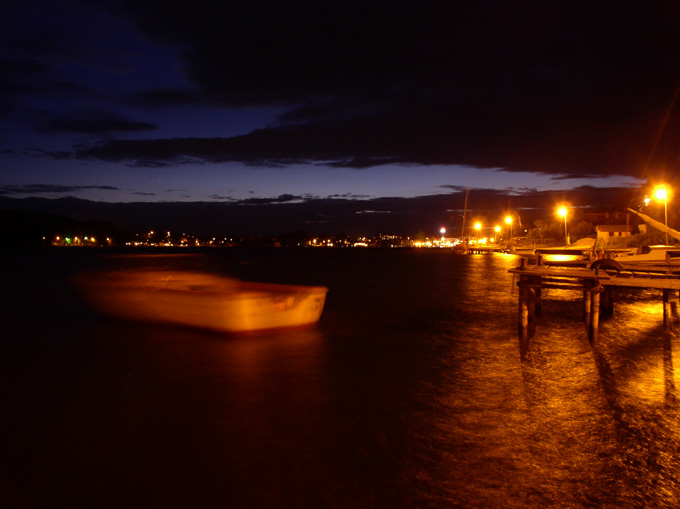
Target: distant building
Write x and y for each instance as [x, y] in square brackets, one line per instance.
[607, 231]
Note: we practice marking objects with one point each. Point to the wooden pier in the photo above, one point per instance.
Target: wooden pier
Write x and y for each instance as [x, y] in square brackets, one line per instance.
[597, 286]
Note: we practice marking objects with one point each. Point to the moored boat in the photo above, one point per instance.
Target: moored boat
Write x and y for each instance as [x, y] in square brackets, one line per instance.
[652, 255]
[202, 300]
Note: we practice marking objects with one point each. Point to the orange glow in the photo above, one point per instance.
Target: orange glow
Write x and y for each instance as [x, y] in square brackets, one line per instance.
[660, 193]
[562, 212]
[561, 257]
[508, 220]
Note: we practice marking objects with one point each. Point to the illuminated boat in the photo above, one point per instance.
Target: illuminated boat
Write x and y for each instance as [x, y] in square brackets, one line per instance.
[664, 259]
[651, 255]
[202, 300]
[577, 253]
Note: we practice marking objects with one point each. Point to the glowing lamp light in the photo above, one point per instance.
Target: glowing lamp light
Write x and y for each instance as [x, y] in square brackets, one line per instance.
[661, 194]
[508, 221]
[562, 211]
[478, 227]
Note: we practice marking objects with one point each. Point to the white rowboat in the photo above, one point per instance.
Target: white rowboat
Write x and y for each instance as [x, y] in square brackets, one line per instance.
[202, 300]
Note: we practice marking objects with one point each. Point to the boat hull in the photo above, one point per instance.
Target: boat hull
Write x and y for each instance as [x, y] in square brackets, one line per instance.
[203, 300]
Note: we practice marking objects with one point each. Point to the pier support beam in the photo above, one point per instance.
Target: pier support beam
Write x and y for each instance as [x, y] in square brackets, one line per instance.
[607, 301]
[594, 326]
[529, 307]
[591, 310]
[667, 308]
[598, 295]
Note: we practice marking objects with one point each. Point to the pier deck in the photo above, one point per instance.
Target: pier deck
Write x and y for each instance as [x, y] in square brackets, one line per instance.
[597, 287]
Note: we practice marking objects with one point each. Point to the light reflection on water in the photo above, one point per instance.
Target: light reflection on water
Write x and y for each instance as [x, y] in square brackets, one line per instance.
[410, 392]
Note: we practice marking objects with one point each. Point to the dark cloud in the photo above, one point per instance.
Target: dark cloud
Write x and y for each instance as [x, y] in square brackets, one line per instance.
[564, 88]
[48, 189]
[572, 89]
[100, 123]
[332, 215]
[164, 98]
[50, 154]
[350, 196]
[221, 198]
[283, 198]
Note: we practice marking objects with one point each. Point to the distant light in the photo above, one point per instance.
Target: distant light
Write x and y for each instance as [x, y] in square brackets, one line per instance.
[660, 193]
[562, 212]
[508, 219]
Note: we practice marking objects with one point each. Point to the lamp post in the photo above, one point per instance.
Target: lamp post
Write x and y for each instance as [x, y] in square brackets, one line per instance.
[478, 227]
[562, 211]
[661, 194]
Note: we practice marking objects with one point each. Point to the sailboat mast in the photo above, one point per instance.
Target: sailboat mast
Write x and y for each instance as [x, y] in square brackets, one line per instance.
[467, 193]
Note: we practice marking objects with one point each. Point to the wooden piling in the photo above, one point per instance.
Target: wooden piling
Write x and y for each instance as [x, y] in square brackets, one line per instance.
[587, 309]
[667, 316]
[532, 311]
[607, 301]
[523, 313]
[594, 328]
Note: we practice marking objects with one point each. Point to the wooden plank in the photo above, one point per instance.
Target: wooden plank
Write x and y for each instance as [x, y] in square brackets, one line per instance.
[543, 270]
[656, 281]
[660, 284]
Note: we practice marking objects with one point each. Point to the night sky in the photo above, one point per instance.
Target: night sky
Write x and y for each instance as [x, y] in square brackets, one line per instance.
[326, 113]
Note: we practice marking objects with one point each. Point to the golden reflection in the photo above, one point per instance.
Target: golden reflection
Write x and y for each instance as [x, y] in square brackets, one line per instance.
[562, 257]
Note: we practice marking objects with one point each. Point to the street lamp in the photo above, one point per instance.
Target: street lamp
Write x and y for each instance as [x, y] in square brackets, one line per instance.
[478, 227]
[508, 221]
[661, 194]
[562, 211]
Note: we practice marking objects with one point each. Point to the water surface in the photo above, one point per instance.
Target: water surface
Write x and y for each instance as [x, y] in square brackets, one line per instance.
[410, 392]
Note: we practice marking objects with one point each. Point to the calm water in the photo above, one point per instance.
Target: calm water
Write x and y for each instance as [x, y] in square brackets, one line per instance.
[410, 392]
